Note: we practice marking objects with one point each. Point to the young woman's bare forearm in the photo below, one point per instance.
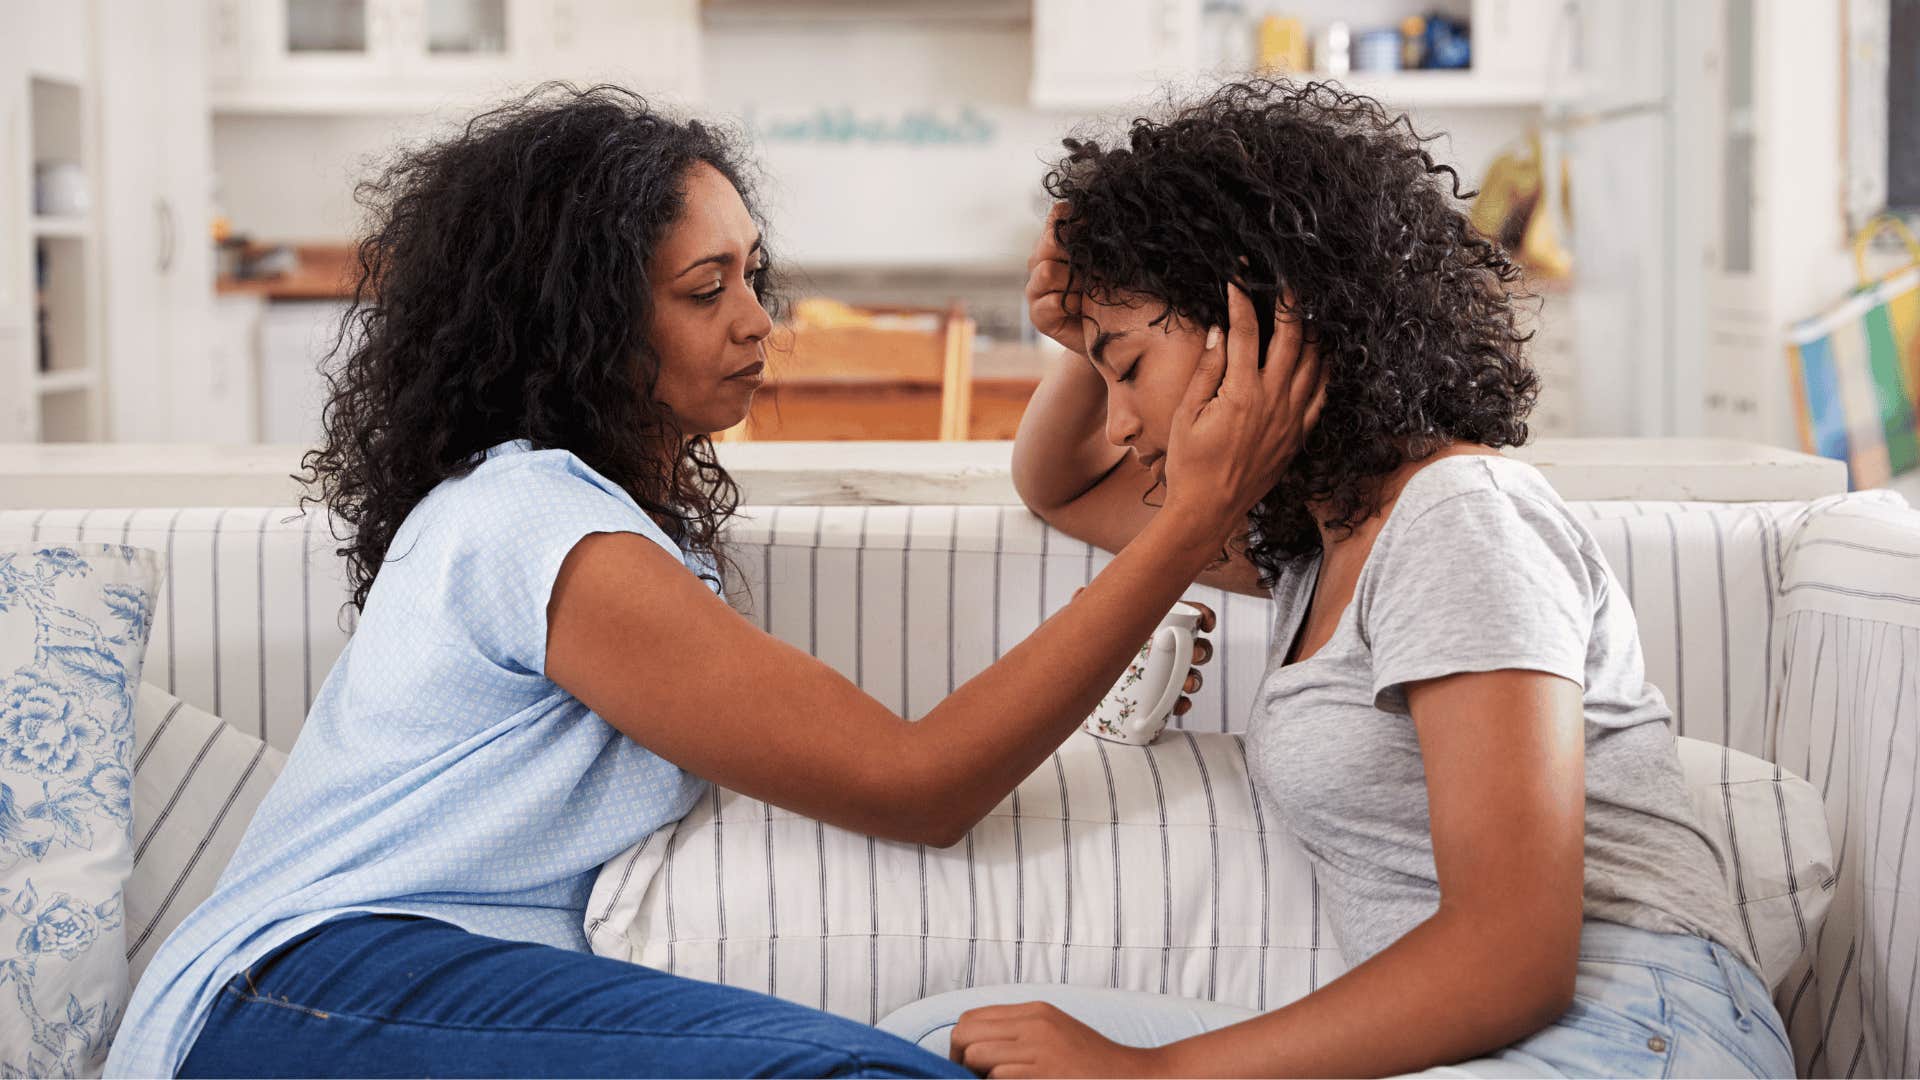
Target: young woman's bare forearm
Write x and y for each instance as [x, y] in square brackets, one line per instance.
[1061, 450]
[1454, 987]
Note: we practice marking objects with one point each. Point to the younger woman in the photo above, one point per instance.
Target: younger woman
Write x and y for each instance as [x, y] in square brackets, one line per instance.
[1455, 723]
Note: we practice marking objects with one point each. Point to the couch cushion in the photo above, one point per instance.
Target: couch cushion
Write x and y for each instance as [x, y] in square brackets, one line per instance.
[1153, 869]
[252, 613]
[196, 783]
[1848, 717]
[1769, 829]
[73, 632]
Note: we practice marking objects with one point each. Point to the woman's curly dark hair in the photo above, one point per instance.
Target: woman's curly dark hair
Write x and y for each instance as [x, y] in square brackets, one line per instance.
[502, 293]
[1315, 191]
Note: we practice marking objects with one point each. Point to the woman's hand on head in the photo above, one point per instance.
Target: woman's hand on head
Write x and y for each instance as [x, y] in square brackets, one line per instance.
[1241, 422]
[1047, 280]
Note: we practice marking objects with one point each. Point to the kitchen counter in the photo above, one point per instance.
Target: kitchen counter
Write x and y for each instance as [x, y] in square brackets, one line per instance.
[974, 473]
[324, 273]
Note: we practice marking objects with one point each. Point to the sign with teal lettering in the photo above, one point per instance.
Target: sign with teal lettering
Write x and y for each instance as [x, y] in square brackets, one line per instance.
[844, 125]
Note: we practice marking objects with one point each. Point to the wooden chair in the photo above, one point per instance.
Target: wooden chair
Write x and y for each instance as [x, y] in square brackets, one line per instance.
[881, 373]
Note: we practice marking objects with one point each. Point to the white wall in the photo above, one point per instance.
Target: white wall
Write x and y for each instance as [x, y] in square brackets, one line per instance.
[864, 201]
[291, 178]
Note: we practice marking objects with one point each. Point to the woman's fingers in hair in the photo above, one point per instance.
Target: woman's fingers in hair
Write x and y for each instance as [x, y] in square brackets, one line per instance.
[1293, 370]
[1242, 345]
[1046, 247]
[1204, 385]
[1048, 306]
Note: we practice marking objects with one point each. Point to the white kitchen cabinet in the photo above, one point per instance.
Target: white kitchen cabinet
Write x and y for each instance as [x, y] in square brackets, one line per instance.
[334, 56]
[296, 338]
[16, 392]
[1096, 53]
[226, 378]
[156, 196]
[16, 199]
[1761, 89]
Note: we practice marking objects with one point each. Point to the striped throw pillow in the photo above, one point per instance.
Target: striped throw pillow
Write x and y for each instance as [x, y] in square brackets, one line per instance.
[1769, 828]
[1153, 869]
[196, 783]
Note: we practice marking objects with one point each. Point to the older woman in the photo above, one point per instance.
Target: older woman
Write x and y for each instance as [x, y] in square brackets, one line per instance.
[556, 307]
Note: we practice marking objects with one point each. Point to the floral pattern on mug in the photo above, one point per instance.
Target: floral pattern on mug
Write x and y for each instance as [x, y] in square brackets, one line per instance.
[1120, 706]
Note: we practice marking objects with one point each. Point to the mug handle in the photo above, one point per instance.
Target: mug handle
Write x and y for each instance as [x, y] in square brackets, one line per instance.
[1180, 640]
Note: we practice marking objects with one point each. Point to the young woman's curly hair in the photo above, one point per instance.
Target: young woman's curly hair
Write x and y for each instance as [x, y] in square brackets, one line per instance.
[1320, 194]
[502, 293]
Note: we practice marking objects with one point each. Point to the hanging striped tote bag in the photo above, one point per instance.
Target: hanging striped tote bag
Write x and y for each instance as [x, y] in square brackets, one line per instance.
[1857, 370]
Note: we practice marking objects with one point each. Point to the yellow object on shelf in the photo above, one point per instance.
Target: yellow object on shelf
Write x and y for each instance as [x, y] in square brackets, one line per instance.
[1283, 44]
[1514, 209]
[1413, 42]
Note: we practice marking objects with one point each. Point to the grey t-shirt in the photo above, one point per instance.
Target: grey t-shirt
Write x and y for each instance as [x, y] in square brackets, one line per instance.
[1479, 567]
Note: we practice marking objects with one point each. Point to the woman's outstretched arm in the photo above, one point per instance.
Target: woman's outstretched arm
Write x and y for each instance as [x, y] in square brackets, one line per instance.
[656, 654]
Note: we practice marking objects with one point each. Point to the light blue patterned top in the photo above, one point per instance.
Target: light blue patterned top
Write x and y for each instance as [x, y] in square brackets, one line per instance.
[440, 771]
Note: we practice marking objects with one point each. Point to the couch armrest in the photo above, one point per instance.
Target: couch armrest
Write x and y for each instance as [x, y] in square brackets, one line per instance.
[1846, 715]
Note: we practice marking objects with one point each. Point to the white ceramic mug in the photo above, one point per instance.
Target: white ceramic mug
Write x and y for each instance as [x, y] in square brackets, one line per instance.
[1137, 708]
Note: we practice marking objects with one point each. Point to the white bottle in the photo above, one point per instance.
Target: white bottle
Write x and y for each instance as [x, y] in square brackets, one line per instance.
[1226, 38]
[1335, 54]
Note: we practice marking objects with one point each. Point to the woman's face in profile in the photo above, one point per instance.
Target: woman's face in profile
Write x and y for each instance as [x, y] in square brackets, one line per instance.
[1146, 368]
[708, 325]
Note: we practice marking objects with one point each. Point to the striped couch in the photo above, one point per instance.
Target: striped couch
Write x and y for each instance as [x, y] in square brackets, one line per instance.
[1789, 631]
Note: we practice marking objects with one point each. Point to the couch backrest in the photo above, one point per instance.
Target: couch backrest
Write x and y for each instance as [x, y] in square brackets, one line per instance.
[910, 602]
[250, 618]
[880, 592]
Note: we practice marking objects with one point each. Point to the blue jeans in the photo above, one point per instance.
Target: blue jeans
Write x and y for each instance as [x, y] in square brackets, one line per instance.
[401, 995]
[1645, 1004]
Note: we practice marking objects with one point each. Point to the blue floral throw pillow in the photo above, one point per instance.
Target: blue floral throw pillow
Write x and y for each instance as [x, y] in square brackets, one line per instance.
[73, 633]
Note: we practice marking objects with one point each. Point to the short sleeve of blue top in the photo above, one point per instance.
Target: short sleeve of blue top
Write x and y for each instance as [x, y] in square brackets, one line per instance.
[440, 772]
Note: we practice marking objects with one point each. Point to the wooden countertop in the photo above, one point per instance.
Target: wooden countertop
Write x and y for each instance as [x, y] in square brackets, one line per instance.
[325, 273]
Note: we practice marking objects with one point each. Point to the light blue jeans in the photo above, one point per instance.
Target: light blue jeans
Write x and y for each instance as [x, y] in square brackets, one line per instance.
[1645, 1004]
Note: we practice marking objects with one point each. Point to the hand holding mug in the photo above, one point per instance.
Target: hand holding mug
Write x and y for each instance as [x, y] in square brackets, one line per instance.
[1152, 688]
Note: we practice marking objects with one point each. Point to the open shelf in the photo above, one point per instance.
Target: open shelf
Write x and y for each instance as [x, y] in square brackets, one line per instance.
[1423, 88]
[54, 360]
[64, 285]
[67, 227]
[60, 382]
[67, 418]
[1465, 89]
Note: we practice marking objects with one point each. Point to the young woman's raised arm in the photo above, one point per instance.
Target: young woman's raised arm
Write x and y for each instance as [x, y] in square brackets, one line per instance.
[652, 651]
[1067, 467]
